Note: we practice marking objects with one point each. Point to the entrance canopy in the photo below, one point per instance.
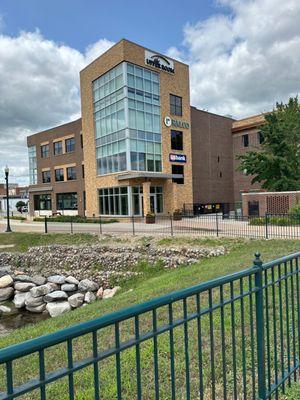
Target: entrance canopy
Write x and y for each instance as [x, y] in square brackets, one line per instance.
[154, 175]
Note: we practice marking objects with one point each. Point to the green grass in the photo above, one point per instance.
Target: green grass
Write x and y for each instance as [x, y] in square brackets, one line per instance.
[23, 241]
[293, 393]
[155, 282]
[77, 219]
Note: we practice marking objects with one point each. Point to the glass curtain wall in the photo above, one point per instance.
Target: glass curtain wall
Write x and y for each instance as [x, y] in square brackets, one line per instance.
[32, 165]
[127, 120]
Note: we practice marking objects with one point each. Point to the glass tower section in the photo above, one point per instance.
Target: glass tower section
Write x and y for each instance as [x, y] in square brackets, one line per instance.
[127, 120]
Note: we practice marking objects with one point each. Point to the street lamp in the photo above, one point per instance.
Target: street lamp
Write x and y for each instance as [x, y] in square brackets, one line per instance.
[8, 228]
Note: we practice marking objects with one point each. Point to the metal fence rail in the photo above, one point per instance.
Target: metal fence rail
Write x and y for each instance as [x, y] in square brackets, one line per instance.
[266, 227]
[235, 337]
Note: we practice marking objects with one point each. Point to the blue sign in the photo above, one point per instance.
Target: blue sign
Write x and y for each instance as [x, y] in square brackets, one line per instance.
[177, 158]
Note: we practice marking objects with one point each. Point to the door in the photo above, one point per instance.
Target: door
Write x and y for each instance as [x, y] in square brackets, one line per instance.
[152, 204]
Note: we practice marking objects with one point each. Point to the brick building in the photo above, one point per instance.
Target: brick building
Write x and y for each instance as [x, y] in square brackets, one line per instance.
[139, 147]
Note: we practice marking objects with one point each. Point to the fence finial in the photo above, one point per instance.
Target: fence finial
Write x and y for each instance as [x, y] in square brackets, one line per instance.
[257, 262]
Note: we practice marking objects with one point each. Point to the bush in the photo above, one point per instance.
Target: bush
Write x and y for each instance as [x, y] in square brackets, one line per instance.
[287, 220]
[296, 210]
[75, 218]
[18, 218]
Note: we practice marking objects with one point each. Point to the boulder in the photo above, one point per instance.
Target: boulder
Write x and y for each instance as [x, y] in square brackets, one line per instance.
[109, 293]
[6, 293]
[71, 279]
[19, 300]
[23, 278]
[5, 310]
[56, 308]
[37, 309]
[52, 286]
[24, 286]
[59, 279]
[99, 294]
[68, 287]
[76, 300]
[6, 281]
[40, 290]
[54, 296]
[87, 285]
[89, 297]
[39, 280]
[31, 301]
[6, 270]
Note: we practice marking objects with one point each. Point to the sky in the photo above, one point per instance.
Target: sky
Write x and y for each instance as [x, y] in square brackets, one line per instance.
[244, 55]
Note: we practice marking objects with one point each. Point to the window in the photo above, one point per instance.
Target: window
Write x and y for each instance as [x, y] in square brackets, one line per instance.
[82, 170]
[113, 201]
[59, 175]
[66, 201]
[32, 165]
[46, 176]
[260, 137]
[71, 173]
[245, 140]
[81, 141]
[57, 147]
[176, 140]
[178, 169]
[70, 145]
[175, 105]
[42, 202]
[45, 150]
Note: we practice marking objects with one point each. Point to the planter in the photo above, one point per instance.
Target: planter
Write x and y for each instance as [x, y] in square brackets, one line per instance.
[177, 217]
[150, 219]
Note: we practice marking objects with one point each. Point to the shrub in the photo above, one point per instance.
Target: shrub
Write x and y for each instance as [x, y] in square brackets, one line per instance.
[75, 218]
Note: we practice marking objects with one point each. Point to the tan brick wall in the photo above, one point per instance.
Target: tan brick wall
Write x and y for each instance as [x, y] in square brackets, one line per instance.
[271, 202]
[177, 84]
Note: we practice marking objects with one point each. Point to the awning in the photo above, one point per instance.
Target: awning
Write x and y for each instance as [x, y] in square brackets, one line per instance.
[40, 189]
[153, 175]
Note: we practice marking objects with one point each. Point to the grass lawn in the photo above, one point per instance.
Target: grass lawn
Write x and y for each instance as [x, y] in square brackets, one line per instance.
[155, 282]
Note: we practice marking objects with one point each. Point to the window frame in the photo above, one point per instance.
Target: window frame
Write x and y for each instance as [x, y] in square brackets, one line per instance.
[62, 175]
[61, 148]
[178, 133]
[69, 177]
[179, 181]
[72, 145]
[245, 140]
[48, 172]
[175, 105]
[45, 154]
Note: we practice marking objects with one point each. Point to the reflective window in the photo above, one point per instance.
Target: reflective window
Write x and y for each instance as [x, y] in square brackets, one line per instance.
[175, 105]
[113, 201]
[176, 140]
[178, 169]
[66, 201]
[59, 175]
[46, 176]
[45, 150]
[57, 148]
[71, 173]
[245, 140]
[42, 202]
[70, 145]
[32, 165]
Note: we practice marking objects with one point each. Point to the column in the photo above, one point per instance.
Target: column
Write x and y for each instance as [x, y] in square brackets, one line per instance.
[146, 197]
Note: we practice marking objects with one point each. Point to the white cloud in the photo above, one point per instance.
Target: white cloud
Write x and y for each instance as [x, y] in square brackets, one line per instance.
[243, 61]
[39, 86]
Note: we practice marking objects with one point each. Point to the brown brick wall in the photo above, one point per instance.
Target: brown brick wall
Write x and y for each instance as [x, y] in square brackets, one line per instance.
[271, 202]
[67, 159]
[212, 157]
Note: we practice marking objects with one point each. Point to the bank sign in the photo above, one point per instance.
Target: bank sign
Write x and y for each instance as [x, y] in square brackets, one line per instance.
[177, 158]
[177, 123]
[159, 62]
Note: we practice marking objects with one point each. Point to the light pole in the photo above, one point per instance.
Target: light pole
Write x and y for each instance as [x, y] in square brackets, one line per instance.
[8, 228]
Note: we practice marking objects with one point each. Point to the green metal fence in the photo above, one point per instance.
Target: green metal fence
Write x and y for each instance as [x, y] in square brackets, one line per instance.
[235, 337]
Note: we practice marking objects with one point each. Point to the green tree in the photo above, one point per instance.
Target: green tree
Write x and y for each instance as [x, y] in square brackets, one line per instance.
[277, 164]
[20, 204]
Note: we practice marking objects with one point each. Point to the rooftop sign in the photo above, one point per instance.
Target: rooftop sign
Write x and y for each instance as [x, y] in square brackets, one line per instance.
[159, 62]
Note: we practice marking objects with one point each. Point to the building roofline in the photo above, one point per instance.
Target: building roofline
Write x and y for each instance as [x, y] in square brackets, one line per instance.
[55, 127]
[136, 44]
[253, 121]
[209, 112]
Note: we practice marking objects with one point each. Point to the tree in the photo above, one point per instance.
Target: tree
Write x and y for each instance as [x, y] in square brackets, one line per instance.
[277, 164]
[20, 204]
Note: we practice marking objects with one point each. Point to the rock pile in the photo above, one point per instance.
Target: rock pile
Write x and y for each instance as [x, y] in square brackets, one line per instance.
[103, 263]
[55, 295]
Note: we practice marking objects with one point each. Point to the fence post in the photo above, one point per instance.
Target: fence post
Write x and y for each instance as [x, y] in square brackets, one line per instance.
[133, 228]
[71, 226]
[46, 224]
[260, 327]
[171, 221]
[217, 224]
[100, 224]
[266, 226]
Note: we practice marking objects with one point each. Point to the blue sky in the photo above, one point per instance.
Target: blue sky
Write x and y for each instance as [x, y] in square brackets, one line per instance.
[244, 56]
[78, 23]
